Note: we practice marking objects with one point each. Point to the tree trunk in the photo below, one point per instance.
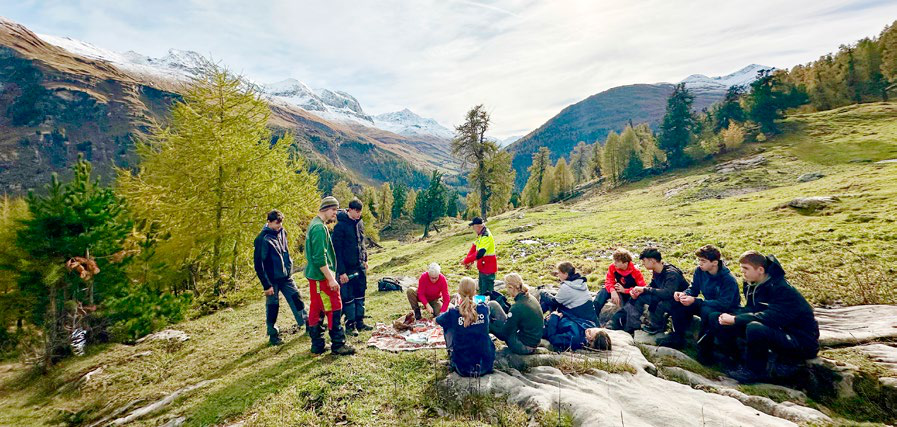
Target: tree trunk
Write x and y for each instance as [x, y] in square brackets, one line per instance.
[233, 268]
[426, 229]
[216, 250]
[51, 325]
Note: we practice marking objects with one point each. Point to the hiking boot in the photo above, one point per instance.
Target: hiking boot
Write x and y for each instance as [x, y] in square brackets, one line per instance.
[352, 330]
[274, 340]
[343, 350]
[360, 326]
[672, 341]
[653, 330]
[744, 375]
[317, 339]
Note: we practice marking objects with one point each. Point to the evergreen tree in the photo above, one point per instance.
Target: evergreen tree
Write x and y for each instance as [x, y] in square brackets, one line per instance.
[429, 205]
[532, 189]
[597, 158]
[768, 100]
[386, 199]
[215, 171]
[399, 199]
[548, 193]
[451, 206]
[676, 128]
[343, 193]
[612, 159]
[888, 41]
[499, 181]
[563, 178]
[76, 219]
[579, 162]
[729, 110]
[472, 148]
[410, 201]
[631, 160]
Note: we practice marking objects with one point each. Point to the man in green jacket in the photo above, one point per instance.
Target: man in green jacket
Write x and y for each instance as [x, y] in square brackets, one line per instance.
[323, 287]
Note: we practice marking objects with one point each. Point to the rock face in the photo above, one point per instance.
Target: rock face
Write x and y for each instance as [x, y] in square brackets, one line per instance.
[812, 176]
[856, 325]
[604, 399]
[741, 164]
[166, 335]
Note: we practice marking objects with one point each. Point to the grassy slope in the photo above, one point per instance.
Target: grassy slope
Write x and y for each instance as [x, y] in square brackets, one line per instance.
[273, 386]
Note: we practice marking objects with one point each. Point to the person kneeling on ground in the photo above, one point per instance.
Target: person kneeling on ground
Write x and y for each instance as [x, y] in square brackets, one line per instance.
[622, 276]
[431, 292]
[466, 327]
[776, 317]
[666, 280]
[520, 328]
[572, 297]
[715, 283]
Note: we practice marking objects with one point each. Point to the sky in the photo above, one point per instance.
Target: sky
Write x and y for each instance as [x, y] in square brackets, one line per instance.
[525, 60]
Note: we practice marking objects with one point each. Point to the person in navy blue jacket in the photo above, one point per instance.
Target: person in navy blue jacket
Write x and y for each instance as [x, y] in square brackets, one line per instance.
[719, 288]
[466, 328]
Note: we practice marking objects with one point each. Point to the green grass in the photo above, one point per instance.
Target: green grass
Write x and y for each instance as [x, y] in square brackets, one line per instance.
[822, 253]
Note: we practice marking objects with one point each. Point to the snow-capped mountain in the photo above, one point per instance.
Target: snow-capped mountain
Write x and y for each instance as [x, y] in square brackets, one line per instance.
[331, 105]
[407, 123]
[742, 77]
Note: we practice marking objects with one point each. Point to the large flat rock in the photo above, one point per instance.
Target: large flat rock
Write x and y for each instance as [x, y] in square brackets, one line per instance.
[856, 325]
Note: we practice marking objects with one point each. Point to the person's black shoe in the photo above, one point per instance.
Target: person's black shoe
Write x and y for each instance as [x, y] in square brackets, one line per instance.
[274, 340]
[343, 350]
[745, 376]
[672, 341]
[362, 327]
[653, 330]
[351, 330]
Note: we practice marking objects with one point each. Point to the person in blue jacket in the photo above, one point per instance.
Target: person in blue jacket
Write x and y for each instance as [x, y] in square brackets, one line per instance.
[568, 332]
[715, 283]
[466, 328]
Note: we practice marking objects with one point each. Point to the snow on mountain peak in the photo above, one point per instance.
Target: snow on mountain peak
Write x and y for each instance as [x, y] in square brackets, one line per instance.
[406, 122]
[742, 77]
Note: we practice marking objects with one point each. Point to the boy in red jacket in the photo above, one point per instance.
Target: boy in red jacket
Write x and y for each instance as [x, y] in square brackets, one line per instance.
[622, 276]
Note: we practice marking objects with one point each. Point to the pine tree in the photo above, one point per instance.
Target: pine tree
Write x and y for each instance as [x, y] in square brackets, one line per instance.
[215, 171]
[410, 201]
[472, 148]
[548, 193]
[729, 110]
[500, 176]
[563, 179]
[579, 162]
[676, 128]
[399, 200]
[532, 189]
[769, 98]
[451, 204]
[612, 158]
[597, 158]
[888, 41]
[429, 205]
[343, 194]
[385, 199]
[631, 160]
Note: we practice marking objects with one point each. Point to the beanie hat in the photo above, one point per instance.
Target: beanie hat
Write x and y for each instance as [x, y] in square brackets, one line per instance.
[328, 202]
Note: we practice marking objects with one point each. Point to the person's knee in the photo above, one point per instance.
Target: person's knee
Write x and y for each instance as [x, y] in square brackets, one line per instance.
[755, 331]
[411, 293]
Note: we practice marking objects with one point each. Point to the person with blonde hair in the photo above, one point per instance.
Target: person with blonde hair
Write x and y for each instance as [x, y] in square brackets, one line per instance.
[521, 327]
[466, 327]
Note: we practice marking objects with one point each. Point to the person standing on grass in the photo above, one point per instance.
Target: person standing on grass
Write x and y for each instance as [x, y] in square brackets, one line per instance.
[273, 266]
[323, 287]
[666, 281]
[482, 252]
[431, 292]
[351, 265]
[715, 283]
[776, 318]
[466, 326]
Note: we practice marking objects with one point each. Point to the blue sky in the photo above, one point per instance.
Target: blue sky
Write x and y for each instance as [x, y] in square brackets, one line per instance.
[525, 60]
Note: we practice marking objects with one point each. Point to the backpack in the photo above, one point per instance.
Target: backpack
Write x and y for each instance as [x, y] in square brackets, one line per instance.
[387, 284]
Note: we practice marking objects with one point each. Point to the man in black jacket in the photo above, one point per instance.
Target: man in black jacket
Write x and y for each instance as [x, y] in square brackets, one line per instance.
[273, 267]
[666, 280]
[713, 281]
[351, 265]
[776, 318]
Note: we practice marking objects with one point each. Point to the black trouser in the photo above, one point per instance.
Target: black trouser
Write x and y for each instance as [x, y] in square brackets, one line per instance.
[352, 294]
[272, 304]
[601, 299]
[657, 309]
[759, 339]
[682, 316]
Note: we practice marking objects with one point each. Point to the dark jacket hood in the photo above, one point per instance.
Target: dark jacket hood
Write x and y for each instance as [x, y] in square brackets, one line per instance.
[343, 216]
[774, 267]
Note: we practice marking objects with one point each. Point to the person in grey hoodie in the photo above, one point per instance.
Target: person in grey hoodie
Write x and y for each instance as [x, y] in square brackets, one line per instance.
[573, 296]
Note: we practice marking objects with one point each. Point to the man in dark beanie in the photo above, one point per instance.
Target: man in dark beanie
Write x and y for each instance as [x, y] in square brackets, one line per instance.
[351, 265]
[273, 266]
[323, 287]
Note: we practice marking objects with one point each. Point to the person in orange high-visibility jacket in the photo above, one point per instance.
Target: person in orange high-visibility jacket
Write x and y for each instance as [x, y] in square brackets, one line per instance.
[483, 253]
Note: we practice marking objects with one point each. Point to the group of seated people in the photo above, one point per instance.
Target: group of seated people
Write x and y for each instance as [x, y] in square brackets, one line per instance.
[775, 320]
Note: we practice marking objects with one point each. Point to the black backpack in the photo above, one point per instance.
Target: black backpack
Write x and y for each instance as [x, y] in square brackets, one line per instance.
[388, 284]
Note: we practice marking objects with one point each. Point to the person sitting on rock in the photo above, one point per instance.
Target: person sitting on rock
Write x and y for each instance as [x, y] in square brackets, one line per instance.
[466, 328]
[715, 283]
[666, 280]
[622, 276]
[521, 328]
[568, 332]
[572, 297]
[776, 317]
[431, 292]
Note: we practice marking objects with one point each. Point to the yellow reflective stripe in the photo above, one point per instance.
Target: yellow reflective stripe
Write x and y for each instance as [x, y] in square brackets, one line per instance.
[486, 242]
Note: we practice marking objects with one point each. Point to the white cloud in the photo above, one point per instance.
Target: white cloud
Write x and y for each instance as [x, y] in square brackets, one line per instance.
[525, 60]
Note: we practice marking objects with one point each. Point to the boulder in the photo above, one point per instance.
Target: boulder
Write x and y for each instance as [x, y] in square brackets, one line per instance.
[812, 176]
[741, 164]
[856, 325]
[521, 228]
[810, 203]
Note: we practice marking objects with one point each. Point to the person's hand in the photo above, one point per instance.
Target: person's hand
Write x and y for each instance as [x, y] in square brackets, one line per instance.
[430, 310]
[687, 300]
[636, 291]
[677, 295]
[333, 285]
[365, 266]
[726, 319]
[467, 266]
[343, 279]
[615, 297]
[269, 291]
